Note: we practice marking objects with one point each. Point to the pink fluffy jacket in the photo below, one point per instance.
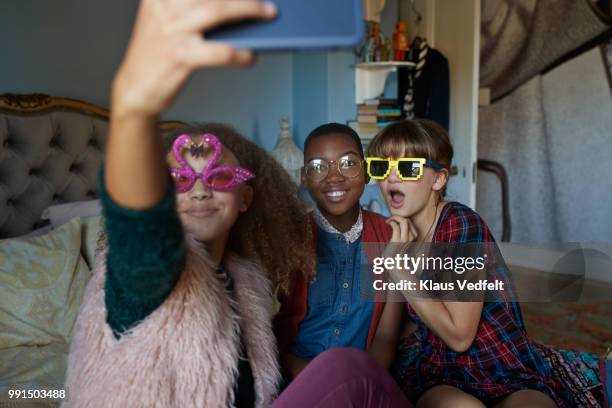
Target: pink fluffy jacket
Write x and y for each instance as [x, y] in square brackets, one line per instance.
[185, 353]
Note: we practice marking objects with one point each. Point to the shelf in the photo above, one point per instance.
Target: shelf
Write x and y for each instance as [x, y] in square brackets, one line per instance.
[365, 136]
[370, 77]
[384, 64]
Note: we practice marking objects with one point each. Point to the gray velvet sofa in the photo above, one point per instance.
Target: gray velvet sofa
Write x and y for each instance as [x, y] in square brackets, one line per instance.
[51, 150]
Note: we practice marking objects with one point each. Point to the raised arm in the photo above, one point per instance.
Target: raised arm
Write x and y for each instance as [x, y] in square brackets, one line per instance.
[146, 250]
[166, 47]
[456, 323]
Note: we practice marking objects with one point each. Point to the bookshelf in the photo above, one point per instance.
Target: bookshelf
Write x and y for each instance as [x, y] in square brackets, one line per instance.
[370, 77]
[452, 27]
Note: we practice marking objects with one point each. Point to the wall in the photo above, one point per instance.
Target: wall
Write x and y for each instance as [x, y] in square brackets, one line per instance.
[310, 90]
[72, 48]
[65, 47]
[252, 100]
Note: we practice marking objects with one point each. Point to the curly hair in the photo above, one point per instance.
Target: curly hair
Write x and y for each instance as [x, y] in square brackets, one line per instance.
[275, 229]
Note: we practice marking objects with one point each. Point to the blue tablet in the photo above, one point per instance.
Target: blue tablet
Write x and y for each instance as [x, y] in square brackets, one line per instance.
[300, 24]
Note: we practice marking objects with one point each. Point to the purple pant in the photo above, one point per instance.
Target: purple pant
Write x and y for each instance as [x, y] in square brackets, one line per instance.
[342, 377]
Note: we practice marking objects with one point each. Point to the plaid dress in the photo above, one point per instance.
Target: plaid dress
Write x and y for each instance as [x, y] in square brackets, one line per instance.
[501, 360]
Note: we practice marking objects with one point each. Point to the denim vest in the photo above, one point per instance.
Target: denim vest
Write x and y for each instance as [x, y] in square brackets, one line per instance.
[338, 313]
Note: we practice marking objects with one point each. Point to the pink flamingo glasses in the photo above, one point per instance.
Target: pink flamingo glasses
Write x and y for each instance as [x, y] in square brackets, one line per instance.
[217, 178]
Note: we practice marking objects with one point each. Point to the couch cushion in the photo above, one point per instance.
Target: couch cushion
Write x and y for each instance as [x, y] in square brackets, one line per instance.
[45, 159]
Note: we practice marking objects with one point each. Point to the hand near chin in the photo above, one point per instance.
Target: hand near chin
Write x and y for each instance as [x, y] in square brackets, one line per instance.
[404, 233]
[404, 230]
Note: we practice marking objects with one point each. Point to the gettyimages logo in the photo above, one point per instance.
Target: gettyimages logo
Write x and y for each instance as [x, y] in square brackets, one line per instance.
[559, 272]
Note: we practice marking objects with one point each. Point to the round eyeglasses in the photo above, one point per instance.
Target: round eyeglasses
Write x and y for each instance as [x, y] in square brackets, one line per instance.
[349, 165]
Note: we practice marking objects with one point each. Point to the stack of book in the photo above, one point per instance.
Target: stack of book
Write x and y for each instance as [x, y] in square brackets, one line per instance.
[375, 114]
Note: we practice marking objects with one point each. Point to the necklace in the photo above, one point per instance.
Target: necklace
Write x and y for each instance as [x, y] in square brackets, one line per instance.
[422, 241]
[432, 224]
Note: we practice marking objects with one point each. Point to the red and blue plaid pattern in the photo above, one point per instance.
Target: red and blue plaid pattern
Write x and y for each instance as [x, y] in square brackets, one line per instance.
[501, 360]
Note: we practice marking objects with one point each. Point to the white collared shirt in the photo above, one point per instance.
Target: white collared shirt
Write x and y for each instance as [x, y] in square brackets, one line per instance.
[350, 236]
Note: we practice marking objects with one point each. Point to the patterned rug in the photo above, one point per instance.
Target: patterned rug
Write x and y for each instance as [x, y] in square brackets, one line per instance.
[582, 326]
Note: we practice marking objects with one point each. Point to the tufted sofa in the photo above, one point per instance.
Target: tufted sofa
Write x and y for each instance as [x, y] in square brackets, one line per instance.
[51, 150]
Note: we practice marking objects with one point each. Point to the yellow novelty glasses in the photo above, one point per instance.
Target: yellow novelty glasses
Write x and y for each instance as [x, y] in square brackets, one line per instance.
[406, 168]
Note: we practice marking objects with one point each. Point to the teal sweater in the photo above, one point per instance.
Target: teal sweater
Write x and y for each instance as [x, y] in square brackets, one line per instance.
[145, 258]
[146, 254]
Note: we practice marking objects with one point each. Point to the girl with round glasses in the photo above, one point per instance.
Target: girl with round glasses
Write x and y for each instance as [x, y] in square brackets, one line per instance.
[334, 307]
[349, 165]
